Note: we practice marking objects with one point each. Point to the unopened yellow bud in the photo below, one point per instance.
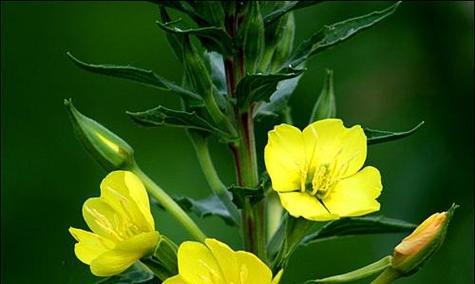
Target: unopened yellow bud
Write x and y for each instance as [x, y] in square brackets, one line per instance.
[421, 244]
[107, 148]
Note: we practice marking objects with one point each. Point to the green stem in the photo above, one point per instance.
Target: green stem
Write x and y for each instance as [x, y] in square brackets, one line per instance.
[244, 151]
[388, 276]
[169, 204]
[200, 143]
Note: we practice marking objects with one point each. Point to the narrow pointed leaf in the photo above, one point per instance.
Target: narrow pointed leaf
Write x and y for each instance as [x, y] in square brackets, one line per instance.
[289, 6]
[162, 116]
[210, 206]
[241, 193]
[146, 77]
[259, 87]
[358, 226]
[218, 76]
[375, 136]
[334, 34]
[212, 38]
[211, 11]
[279, 99]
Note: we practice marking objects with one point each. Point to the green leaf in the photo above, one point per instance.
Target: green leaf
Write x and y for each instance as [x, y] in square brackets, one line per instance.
[325, 107]
[289, 6]
[241, 193]
[218, 75]
[133, 275]
[212, 38]
[211, 11]
[146, 77]
[380, 136]
[334, 34]
[185, 7]
[162, 116]
[210, 206]
[260, 87]
[358, 226]
[279, 99]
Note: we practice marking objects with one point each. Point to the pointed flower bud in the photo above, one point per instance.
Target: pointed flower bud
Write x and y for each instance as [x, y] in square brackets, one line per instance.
[107, 148]
[325, 107]
[421, 244]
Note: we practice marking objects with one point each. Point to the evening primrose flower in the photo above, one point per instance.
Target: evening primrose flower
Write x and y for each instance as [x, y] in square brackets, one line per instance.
[318, 172]
[216, 263]
[123, 229]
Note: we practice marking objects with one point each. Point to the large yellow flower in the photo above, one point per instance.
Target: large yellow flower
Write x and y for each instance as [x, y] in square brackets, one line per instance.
[317, 172]
[122, 226]
[216, 263]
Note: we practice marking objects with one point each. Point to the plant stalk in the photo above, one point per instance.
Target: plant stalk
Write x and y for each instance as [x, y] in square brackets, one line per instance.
[200, 143]
[244, 151]
[169, 204]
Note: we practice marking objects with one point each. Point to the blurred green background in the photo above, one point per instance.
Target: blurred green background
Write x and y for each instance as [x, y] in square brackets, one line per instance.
[416, 65]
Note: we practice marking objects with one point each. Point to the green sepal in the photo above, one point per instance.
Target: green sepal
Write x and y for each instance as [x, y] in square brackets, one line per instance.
[325, 107]
[212, 38]
[162, 116]
[352, 226]
[136, 274]
[295, 229]
[146, 77]
[240, 194]
[334, 34]
[260, 87]
[108, 149]
[375, 136]
[251, 35]
[163, 263]
[361, 273]
[210, 206]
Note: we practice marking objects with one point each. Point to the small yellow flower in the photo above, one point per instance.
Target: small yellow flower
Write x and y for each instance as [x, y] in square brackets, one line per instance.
[317, 172]
[123, 229]
[216, 263]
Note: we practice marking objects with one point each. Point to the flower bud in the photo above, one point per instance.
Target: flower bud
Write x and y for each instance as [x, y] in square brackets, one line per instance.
[325, 107]
[422, 243]
[252, 36]
[108, 149]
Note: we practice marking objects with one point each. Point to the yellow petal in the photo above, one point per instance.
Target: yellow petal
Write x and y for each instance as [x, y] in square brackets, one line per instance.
[226, 259]
[331, 142]
[302, 204]
[124, 254]
[285, 158]
[126, 194]
[276, 279]
[89, 245]
[102, 219]
[252, 269]
[176, 280]
[356, 195]
[197, 265]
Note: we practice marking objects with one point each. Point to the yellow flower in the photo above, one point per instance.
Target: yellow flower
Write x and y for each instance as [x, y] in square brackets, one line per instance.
[317, 172]
[216, 263]
[122, 226]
